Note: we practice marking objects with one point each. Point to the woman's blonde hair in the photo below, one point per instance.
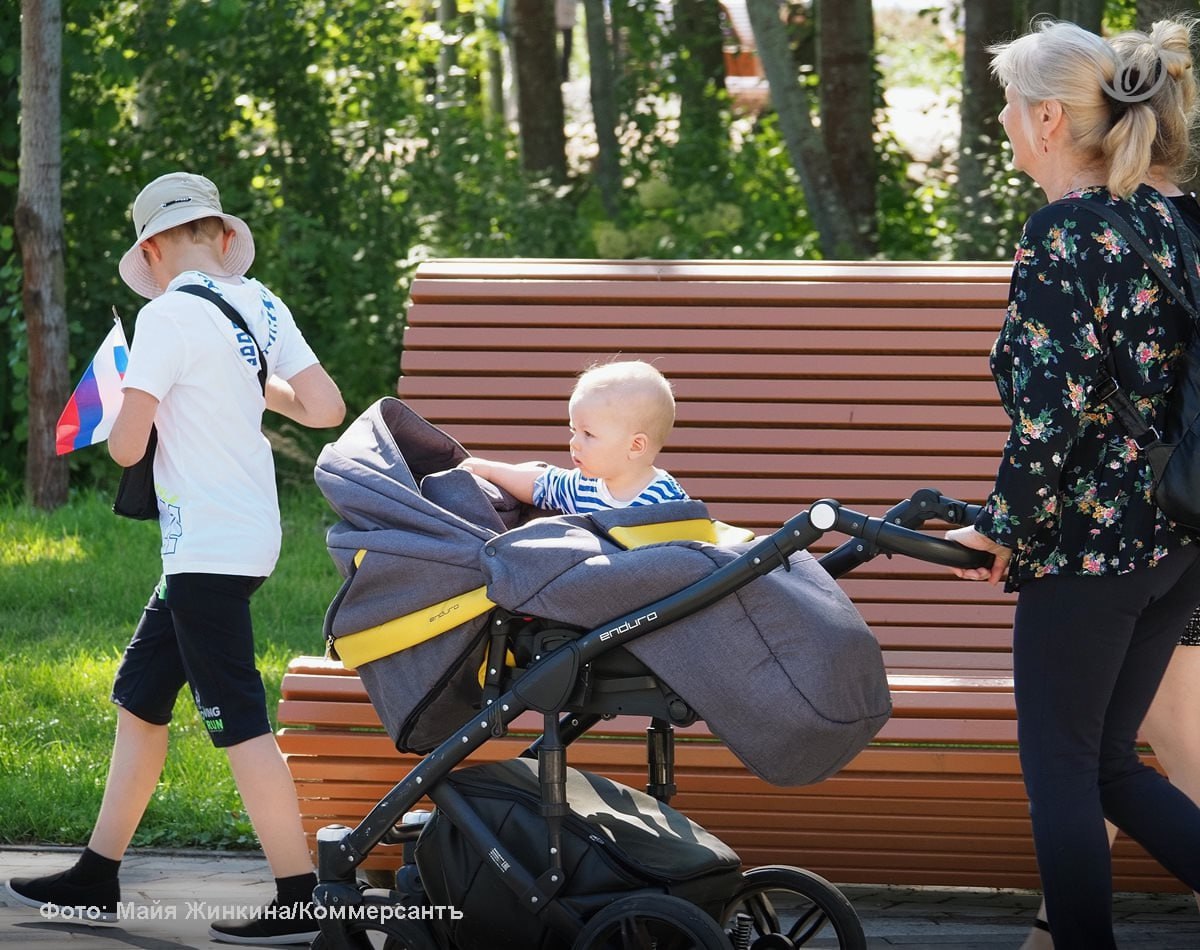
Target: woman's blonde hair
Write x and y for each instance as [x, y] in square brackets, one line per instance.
[1174, 104]
[1118, 98]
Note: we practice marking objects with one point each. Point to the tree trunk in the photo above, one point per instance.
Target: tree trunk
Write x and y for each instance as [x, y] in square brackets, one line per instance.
[539, 94]
[985, 23]
[448, 55]
[837, 237]
[1025, 12]
[495, 86]
[700, 74]
[39, 228]
[1148, 11]
[1087, 13]
[845, 65]
[604, 107]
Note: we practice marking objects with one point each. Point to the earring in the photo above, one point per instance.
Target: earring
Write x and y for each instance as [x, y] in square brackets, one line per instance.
[1045, 146]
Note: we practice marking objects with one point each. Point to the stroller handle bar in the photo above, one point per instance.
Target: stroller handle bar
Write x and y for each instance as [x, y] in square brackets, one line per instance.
[926, 548]
[925, 504]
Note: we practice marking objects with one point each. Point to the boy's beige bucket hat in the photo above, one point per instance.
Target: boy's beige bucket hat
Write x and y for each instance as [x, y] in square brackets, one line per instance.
[172, 200]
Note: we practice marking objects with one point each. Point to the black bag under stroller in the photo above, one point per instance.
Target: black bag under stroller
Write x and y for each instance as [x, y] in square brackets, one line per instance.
[616, 840]
[460, 614]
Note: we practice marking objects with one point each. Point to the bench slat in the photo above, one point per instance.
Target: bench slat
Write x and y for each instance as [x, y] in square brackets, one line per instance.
[744, 294]
[678, 365]
[490, 272]
[914, 316]
[866, 414]
[704, 438]
[468, 391]
[726, 341]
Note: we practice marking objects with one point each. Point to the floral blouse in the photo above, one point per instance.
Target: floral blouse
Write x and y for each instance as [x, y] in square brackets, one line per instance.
[1073, 493]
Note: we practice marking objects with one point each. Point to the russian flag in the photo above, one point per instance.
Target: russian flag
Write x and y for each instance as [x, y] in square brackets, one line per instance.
[90, 412]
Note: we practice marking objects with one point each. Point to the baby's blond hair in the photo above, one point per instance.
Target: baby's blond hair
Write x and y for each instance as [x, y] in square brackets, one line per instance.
[635, 388]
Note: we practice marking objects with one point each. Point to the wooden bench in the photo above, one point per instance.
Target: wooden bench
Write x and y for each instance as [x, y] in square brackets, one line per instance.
[795, 381]
[745, 79]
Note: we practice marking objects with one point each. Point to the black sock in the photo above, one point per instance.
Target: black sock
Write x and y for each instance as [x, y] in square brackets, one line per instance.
[297, 889]
[93, 868]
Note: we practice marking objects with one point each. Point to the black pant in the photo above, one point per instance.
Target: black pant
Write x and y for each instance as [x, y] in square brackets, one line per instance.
[201, 635]
[1088, 655]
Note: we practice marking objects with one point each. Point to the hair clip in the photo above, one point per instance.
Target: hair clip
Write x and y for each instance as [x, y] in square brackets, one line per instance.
[1128, 80]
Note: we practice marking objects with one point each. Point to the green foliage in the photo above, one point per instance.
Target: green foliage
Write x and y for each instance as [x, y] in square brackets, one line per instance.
[914, 216]
[1015, 196]
[1120, 15]
[755, 210]
[13, 365]
[341, 135]
[914, 53]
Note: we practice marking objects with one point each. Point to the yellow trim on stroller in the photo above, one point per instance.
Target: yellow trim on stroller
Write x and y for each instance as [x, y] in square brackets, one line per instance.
[355, 649]
[689, 529]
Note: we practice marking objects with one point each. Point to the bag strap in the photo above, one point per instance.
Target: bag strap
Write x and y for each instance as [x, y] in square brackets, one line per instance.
[199, 290]
[1107, 389]
[1186, 244]
[1191, 269]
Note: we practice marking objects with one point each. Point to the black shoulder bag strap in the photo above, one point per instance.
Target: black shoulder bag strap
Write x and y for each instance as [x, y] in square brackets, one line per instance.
[1107, 389]
[136, 495]
[199, 290]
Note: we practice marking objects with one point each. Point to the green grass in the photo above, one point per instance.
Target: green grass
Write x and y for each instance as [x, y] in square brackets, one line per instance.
[72, 585]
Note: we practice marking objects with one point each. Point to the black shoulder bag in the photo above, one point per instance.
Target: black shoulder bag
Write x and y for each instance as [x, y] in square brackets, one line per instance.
[1174, 453]
[136, 497]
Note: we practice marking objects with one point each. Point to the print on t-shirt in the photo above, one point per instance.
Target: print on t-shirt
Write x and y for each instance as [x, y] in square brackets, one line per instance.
[173, 530]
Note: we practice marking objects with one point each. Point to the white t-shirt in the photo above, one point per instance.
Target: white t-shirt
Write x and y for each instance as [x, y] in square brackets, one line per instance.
[213, 472]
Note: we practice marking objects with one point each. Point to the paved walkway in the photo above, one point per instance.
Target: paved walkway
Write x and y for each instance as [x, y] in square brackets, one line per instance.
[198, 885]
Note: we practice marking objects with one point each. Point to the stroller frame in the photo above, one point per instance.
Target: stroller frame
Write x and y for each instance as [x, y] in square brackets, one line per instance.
[548, 684]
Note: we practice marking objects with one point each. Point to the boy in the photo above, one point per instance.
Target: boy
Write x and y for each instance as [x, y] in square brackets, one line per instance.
[193, 374]
[621, 415]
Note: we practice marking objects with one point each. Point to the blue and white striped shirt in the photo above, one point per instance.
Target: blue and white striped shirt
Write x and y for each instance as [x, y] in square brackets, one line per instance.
[568, 491]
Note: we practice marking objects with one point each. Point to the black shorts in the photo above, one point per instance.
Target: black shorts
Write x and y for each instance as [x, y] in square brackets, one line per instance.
[196, 630]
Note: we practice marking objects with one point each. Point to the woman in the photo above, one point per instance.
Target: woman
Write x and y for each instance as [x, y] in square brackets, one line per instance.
[1105, 581]
[1171, 725]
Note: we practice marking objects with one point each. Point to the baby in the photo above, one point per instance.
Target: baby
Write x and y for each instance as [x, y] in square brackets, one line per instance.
[620, 414]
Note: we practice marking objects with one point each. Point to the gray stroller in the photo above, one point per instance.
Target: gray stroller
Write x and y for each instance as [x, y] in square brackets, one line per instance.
[462, 609]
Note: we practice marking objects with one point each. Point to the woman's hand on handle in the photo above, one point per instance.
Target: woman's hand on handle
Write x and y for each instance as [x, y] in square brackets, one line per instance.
[970, 538]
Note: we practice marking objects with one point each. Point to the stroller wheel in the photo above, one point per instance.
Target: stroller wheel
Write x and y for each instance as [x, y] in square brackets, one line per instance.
[651, 922]
[378, 927]
[782, 908]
